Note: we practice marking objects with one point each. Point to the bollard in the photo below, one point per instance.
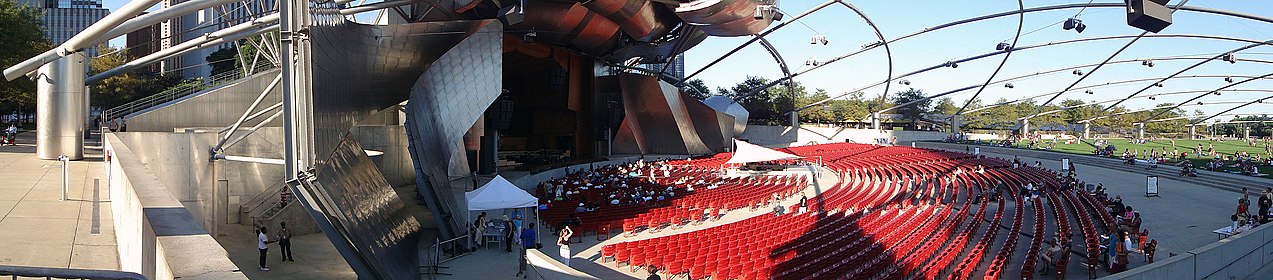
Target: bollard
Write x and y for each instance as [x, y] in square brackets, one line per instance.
[66, 172]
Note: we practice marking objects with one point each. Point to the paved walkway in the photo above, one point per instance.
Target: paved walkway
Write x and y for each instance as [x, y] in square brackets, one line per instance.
[37, 228]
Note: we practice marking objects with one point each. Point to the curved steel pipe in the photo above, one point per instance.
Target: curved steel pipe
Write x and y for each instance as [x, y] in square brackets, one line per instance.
[980, 18]
[1015, 38]
[1046, 73]
[883, 41]
[945, 64]
[782, 63]
[1205, 94]
[1184, 105]
[1092, 86]
[1195, 65]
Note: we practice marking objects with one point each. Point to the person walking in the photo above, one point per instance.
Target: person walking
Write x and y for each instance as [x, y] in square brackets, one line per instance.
[529, 236]
[285, 242]
[804, 204]
[563, 240]
[1265, 202]
[262, 239]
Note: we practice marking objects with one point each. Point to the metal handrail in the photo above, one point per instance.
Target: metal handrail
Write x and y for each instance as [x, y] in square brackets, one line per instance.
[183, 90]
[67, 273]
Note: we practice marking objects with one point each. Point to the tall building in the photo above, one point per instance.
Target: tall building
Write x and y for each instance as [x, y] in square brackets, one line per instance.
[175, 31]
[65, 18]
[143, 42]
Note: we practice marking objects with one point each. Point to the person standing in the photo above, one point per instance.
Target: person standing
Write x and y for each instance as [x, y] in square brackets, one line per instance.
[285, 242]
[529, 236]
[804, 204]
[563, 240]
[1265, 202]
[509, 229]
[262, 239]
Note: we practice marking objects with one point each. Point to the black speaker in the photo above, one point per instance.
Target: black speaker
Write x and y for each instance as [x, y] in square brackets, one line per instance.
[487, 155]
[1149, 15]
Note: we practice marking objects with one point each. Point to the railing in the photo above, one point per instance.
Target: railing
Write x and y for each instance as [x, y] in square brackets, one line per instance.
[444, 251]
[182, 90]
[263, 203]
[66, 273]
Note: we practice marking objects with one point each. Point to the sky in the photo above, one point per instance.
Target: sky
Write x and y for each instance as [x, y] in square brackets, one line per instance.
[846, 32]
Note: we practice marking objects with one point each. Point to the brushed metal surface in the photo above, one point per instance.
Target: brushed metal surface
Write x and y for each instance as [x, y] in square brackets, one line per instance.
[640, 19]
[570, 25]
[60, 108]
[730, 107]
[725, 18]
[445, 103]
[365, 212]
[657, 118]
[359, 69]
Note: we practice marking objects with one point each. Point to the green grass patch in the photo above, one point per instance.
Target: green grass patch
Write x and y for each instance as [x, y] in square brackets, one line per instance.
[1225, 148]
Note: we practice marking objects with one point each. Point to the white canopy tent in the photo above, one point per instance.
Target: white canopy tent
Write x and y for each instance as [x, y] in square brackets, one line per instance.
[499, 193]
[747, 152]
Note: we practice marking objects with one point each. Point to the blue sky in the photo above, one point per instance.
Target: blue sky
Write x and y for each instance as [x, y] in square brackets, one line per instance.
[847, 32]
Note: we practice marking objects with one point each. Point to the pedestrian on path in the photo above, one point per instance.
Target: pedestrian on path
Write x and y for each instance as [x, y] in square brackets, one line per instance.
[262, 239]
[285, 242]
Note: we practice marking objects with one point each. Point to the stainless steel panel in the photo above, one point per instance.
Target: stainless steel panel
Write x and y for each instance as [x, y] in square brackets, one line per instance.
[570, 25]
[656, 116]
[362, 215]
[707, 124]
[60, 108]
[215, 107]
[357, 69]
[640, 19]
[725, 17]
[445, 103]
[730, 107]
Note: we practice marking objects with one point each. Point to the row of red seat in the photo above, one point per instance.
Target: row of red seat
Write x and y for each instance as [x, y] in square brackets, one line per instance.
[912, 229]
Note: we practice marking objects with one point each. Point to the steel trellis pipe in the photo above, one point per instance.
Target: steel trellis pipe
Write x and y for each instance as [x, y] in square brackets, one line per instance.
[1015, 38]
[1205, 94]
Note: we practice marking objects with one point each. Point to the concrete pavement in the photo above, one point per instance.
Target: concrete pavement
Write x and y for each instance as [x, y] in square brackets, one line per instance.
[37, 228]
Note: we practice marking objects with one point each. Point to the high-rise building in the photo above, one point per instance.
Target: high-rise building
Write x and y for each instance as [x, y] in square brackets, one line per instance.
[143, 42]
[65, 18]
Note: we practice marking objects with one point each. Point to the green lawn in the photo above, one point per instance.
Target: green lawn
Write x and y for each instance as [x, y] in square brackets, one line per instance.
[1226, 148]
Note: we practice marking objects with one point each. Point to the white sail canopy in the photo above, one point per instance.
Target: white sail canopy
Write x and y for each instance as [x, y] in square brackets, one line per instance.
[747, 152]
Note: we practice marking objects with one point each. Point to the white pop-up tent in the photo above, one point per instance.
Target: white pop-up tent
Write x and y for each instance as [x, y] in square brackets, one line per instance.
[499, 193]
[747, 152]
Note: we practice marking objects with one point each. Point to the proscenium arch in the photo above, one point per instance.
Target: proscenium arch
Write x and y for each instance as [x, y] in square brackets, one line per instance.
[1048, 72]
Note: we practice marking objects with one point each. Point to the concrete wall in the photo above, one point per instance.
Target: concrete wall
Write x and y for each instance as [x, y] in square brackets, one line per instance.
[395, 164]
[542, 266]
[786, 136]
[214, 107]
[1237, 257]
[155, 234]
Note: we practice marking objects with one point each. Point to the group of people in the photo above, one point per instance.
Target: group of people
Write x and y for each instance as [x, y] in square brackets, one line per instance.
[1244, 219]
[283, 238]
[1125, 236]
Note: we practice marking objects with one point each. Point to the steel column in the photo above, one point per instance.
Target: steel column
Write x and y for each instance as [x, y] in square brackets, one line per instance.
[60, 107]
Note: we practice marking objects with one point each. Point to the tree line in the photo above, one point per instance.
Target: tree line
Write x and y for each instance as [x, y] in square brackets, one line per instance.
[772, 106]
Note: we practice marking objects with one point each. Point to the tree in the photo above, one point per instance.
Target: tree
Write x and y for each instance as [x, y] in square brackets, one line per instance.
[760, 106]
[222, 60]
[696, 89]
[21, 37]
[123, 88]
[914, 111]
[945, 106]
[820, 114]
